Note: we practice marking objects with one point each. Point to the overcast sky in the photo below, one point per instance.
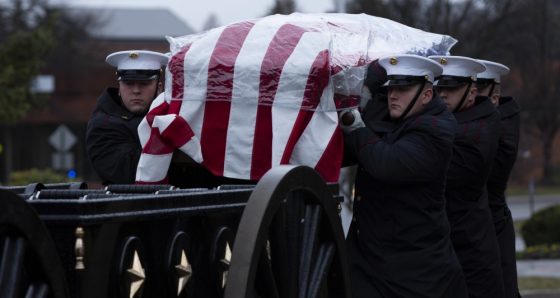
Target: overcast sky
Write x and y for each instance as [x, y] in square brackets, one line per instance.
[196, 12]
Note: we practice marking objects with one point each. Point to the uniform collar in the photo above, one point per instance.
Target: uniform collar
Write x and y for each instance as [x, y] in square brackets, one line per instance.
[482, 108]
[508, 107]
[434, 107]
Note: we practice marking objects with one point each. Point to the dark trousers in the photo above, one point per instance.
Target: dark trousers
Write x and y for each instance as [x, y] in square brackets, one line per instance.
[505, 234]
[475, 243]
[362, 284]
[369, 282]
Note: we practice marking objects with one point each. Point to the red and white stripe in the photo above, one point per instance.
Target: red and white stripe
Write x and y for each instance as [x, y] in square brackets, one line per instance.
[160, 134]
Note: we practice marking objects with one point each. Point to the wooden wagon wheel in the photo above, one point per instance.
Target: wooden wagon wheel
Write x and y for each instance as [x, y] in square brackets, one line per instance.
[29, 264]
[290, 241]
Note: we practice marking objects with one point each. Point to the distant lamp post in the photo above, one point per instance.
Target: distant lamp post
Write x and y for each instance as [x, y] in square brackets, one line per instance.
[340, 6]
[531, 188]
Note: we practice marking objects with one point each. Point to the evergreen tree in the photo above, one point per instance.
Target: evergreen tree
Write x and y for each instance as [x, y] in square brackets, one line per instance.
[26, 38]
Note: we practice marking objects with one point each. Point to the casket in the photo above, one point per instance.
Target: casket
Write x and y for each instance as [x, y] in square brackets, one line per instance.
[245, 97]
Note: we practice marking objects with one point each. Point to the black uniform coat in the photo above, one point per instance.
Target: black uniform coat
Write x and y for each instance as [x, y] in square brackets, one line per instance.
[472, 228]
[112, 142]
[497, 183]
[399, 243]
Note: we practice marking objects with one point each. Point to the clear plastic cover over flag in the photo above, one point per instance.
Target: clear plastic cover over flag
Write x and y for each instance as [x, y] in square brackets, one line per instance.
[325, 55]
[250, 95]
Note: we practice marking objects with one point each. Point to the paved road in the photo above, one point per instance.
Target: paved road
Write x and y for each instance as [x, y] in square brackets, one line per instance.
[546, 268]
[521, 206]
[539, 268]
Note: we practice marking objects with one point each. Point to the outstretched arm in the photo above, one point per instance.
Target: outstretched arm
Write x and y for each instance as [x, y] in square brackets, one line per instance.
[114, 153]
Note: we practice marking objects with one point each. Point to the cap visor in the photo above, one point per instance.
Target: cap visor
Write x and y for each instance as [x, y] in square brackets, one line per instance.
[440, 84]
[137, 77]
[394, 83]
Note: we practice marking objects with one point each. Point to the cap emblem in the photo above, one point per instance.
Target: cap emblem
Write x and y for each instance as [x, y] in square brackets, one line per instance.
[393, 61]
[133, 55]
[443, 61]
[427, 77]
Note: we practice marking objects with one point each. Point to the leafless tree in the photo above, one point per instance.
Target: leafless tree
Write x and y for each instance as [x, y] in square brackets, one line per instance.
[283, 7]
[525, 35]
[536, 50]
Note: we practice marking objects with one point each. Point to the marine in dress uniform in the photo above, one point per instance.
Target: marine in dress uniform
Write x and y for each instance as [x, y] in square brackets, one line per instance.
[474, 148]
[112, 142]
[398, 244]
[489, 85]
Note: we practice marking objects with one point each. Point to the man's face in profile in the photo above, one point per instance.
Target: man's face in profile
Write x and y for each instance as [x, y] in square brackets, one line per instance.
[399, 97]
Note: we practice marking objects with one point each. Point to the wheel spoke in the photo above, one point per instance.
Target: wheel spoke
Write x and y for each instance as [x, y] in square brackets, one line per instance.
[293, 238]
[11, 268]
[309, 239]
[265, 281]
[279, 257]
[321, 269]
[40, 290]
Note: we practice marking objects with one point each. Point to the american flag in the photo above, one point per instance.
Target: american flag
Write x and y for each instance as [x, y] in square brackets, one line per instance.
[245, 97]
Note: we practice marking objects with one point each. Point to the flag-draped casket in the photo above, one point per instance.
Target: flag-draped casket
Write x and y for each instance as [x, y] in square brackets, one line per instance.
[251, 95]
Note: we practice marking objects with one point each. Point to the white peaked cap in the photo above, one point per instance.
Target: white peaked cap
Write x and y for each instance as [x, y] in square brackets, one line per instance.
[493, 71]
[411, 65]
[459, 66]
[137, 60]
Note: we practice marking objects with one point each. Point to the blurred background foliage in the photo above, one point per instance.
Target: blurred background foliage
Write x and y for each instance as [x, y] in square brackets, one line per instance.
[543, 228]
[32, 34]
[44, 176]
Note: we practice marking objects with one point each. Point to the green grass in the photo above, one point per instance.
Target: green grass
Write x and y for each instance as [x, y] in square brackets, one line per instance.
[538, 283]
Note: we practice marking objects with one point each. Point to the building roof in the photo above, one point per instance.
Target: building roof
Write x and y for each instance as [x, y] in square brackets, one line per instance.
[134, 23]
